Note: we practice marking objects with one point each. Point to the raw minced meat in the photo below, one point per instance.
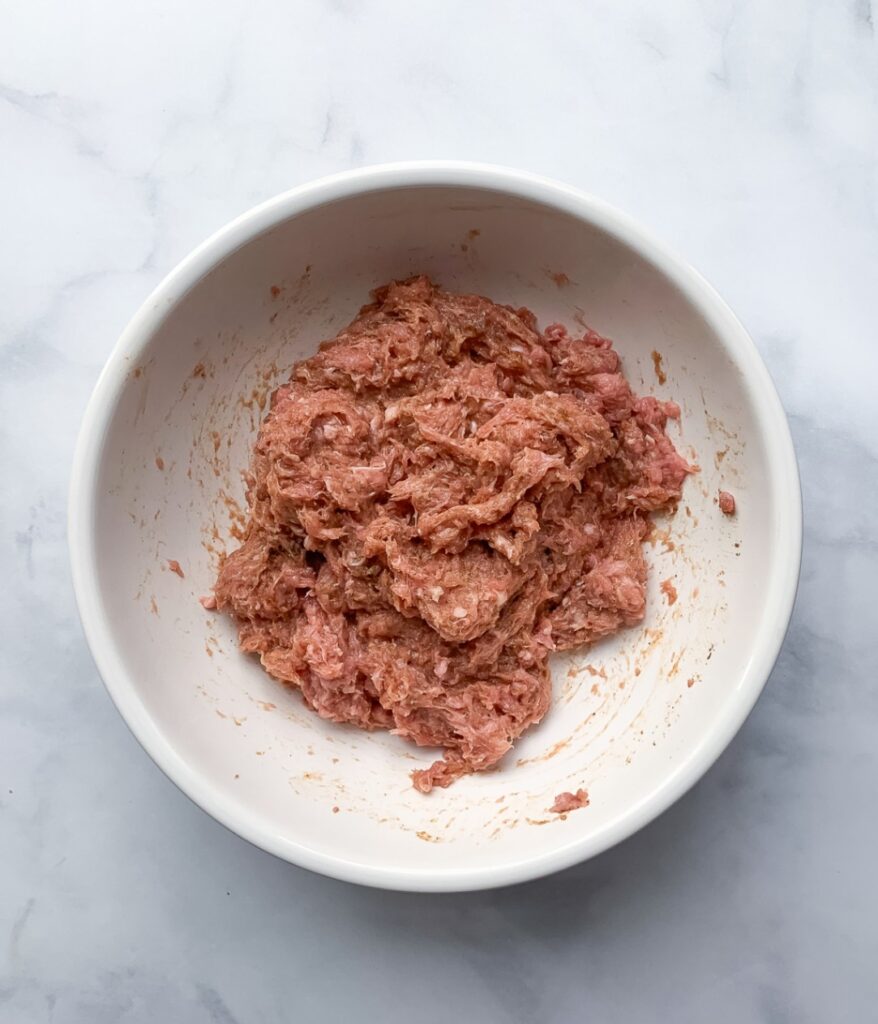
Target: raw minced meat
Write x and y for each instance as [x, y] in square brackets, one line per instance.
[439, 499]
[566, 802]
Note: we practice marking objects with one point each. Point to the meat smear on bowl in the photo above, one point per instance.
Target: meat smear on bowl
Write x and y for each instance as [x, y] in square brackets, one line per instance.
[439, 499]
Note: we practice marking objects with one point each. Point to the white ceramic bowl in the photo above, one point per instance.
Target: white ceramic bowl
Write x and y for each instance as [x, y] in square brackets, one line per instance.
[636, 721]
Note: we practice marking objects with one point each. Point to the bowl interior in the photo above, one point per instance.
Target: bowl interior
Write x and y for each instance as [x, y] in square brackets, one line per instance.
[629, 715]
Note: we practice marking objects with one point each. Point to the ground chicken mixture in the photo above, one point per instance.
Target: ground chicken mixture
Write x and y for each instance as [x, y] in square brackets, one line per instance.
[439, 499]
[566, 802]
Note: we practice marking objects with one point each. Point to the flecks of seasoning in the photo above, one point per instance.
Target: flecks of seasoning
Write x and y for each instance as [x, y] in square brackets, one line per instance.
[237, 775]
[669, 590]
[560, 279]
[595, 690]
[273, 317]
[174, 566]
[266, 705]
[710, 652]
[719, 456]
[222, 714]
[427, 837]
[660, 374]
[199, 371]
[208, 651]
[473, 233]
[690, 682]
[663, 537]
[159, 463]
[153, 606]
[137, 372]
[275, 291]
[239, 721]
[335, 809]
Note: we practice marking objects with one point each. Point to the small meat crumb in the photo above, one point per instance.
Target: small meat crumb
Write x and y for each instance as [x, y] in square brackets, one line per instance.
[335, 810]
[669, 590]
[208, 602]
[727, 503]
[565, 802]
[174, 566]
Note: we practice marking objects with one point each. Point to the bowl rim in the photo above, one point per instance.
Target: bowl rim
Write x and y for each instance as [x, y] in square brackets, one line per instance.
[781, 585]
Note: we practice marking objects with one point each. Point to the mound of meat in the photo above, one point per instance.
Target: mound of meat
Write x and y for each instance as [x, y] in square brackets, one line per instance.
[439, 499]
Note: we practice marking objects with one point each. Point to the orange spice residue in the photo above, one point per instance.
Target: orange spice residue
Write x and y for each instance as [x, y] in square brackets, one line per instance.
[275, 291]
[174, 566]
[199, 371]
[159, 462]
[657, 363]
[559, 277]
[669, 590]
[675, 665]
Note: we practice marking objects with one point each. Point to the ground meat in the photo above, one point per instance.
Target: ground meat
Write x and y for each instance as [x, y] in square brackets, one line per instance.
[565, 802]
[439, 499]
[727, 503]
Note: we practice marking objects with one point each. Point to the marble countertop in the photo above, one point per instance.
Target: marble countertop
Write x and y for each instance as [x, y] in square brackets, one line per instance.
[745, 135]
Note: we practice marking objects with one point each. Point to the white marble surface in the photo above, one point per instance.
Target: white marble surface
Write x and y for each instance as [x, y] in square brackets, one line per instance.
[746, 134]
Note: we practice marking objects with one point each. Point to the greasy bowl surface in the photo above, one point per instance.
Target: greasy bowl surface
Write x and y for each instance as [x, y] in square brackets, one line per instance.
[635, 721]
